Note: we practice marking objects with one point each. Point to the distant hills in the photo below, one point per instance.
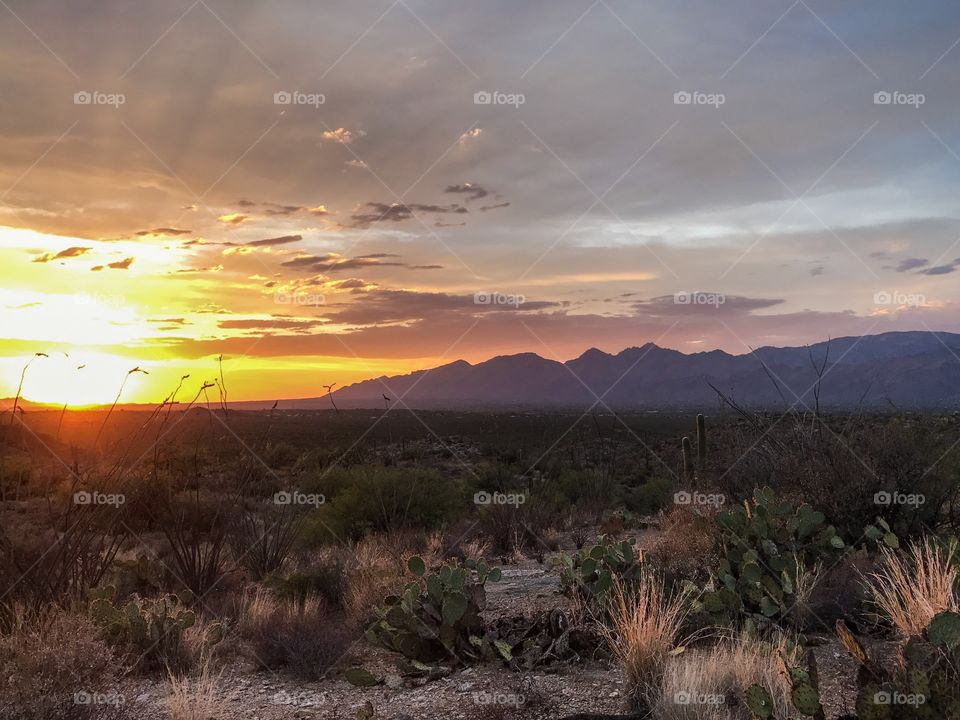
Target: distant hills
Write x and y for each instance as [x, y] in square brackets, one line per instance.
[900, 369]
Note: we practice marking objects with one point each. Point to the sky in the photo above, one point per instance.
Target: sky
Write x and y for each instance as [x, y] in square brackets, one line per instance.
[322, 192]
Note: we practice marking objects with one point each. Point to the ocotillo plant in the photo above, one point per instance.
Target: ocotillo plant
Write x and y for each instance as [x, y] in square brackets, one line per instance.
[701, 441]
[687, 458]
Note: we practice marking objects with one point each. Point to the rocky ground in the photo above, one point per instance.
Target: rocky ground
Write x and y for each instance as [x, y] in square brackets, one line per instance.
[487, 691]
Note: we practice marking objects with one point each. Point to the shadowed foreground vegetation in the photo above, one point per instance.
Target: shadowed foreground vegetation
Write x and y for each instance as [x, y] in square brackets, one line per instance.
[702, 561]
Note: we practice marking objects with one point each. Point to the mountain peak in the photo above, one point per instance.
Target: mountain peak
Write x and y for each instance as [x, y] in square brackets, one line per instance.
[907, 369]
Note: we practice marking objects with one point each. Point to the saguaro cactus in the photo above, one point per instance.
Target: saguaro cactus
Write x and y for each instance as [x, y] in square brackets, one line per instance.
[687, 458]
[701, 440]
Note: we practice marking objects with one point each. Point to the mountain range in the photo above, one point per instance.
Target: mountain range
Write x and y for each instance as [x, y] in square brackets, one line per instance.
[900, 369]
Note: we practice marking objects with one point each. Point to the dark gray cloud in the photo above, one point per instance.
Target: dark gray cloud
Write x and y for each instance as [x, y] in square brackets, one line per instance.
[942, 269]
[910, 264]
[399, 212]
[471, 190]
[270, 242]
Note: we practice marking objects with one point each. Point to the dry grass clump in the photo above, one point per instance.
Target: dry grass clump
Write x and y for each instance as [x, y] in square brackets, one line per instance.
[685, 544]
[45, 659]
[709, 683]
[300, 636]
[645, 624]
[195, 698]
[910, 588]
[373, 574]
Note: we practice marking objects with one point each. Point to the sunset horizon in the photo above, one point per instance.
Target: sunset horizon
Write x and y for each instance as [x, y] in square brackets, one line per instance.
[224, 184]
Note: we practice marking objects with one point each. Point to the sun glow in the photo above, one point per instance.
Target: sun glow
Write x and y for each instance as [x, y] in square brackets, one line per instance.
[75, 379]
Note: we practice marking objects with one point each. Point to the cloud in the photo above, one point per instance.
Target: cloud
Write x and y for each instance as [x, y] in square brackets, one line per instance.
[398, 212]
[487, 208]
[356, 163]
[270, 242]
[233, 218]
[163, 232]
[909, 264]
[273, 323]
[342, 135]
[702, 303]
[70, 252]
[190, 271]
[384, 306]
[471, 190]
[336, 263]
[118, 265]
[942, 269]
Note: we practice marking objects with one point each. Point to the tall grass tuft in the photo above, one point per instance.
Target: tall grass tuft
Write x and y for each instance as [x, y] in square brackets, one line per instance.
[910, 588]
[645, 625]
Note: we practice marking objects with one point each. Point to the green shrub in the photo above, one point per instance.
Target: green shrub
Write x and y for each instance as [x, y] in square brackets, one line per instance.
[367, 499]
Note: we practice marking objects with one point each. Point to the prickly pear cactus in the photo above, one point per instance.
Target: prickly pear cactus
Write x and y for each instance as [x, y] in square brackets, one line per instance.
[765, 547]
[924, 682]
[437, 617]
[759, 701]
[591, 573]
[150, 629]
